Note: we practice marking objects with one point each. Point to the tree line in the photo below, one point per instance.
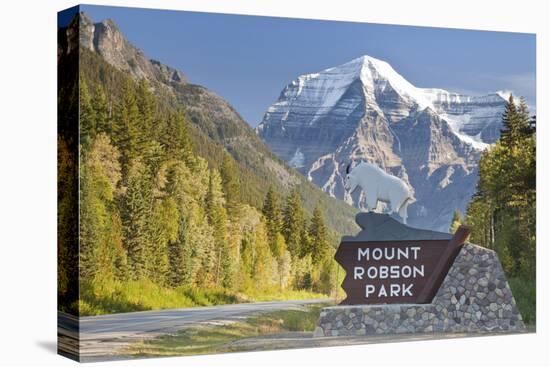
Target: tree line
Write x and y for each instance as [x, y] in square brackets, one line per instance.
[502, 212]
[150, 208]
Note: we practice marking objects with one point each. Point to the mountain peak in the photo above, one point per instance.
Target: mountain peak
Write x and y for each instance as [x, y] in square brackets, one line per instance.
[106, 39]
[364, 109]
[83, 17]
[377, 84]
[375, 75]
[377, 71]
[110, 23]
[364, 60]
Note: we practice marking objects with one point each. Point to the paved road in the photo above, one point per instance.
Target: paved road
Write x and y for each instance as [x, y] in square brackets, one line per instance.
[107, 334]
[103, 337]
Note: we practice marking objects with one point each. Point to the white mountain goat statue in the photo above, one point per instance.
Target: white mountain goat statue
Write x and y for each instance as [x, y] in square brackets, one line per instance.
[379, 186]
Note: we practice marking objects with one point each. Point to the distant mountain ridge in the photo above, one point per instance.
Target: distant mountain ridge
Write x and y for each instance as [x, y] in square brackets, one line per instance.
[364, 109]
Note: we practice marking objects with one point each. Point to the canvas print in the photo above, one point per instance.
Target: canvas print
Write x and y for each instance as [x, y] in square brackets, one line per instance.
[242, 183]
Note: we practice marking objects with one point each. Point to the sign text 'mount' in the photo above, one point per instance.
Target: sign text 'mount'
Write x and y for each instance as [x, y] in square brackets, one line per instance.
[389, 262]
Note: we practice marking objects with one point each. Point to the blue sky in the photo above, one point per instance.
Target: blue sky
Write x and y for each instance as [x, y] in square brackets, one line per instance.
[248, 60]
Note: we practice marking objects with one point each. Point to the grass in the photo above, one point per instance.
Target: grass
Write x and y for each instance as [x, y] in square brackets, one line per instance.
[289, 320]
[218, 338]
[278, 295]
[114, 296]
[110, 296]
[524, 292]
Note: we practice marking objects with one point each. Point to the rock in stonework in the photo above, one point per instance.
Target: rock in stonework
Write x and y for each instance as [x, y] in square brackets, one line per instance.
[490, 306]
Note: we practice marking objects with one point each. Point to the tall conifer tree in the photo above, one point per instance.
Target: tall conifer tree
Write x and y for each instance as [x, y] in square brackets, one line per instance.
[230, 184]
[136, 212]
[99, 177]
[294, 224]
[127, 132]
[318, 237]
[273, 216]
[217, 218]
[102, 111]
[87, 116]
[456, 221]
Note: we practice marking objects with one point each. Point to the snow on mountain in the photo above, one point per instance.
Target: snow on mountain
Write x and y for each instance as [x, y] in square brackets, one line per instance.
[297, 161]
[474, 119]
[364, 109]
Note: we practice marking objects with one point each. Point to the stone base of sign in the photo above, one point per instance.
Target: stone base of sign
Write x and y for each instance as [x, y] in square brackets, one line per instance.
[474, 297]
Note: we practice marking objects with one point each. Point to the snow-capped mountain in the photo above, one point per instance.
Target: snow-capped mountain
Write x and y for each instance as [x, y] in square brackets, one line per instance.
[364, 109]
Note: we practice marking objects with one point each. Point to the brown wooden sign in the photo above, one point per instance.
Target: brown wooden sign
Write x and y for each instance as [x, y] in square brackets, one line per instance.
[389, 262]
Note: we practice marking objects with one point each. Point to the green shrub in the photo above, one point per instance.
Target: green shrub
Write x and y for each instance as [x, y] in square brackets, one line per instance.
[112, 296]
[525, 294]
[100, 297]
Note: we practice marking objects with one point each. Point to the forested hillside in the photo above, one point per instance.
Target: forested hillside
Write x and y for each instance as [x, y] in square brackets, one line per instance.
[167, 197]
[502, 213]
[171, 218]
[215, 126]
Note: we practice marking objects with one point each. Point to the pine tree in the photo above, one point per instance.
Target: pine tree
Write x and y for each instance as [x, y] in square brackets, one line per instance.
[248, 255]
[68, 224]
[525, 121]
[183, 261]
[262, 268]
[127, 133]
[302, 269]
[87, 116]
[110, 255]
[509, 122]
[176, 257]
[163, 226]
[230, 184]
[116, 241]
[516, 123]
[92, 220]
[150, 148]
[102, 112]
[217, 218]
[99, 177]
[318, 238]
[293, 224]
[328, 272]
[176, 138]
[136, 211]
[479, 218]
[456, 221]
[272, 213]
[502, 211]
[146, 106]
[193, 248]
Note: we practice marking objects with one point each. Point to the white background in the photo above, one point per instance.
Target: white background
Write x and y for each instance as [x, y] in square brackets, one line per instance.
[28, 181]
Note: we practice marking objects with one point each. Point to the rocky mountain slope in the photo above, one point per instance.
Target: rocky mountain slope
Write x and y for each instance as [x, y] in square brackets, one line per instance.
[364, 109]
[216, 127]
[106, 39]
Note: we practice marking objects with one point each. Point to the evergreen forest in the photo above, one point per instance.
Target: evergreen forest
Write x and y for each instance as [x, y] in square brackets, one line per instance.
[163, 217]
[502, 212]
